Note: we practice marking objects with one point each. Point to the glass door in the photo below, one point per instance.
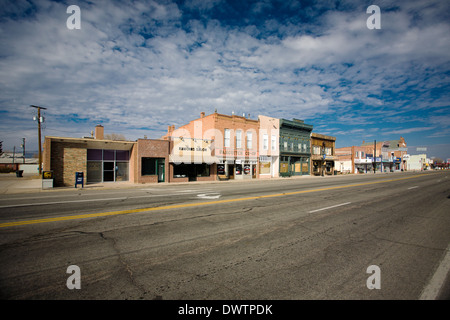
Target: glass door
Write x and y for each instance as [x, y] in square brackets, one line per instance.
[161, 170]
[108, 171]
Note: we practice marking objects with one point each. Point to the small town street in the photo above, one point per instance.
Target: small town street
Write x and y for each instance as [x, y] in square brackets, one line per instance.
[291, 239]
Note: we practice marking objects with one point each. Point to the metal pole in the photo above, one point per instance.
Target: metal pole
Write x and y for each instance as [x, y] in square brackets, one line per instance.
[39, 137]
[23, 146]
[374, 156]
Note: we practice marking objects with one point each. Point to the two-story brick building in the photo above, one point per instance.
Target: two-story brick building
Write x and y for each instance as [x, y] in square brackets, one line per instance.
[233, 141]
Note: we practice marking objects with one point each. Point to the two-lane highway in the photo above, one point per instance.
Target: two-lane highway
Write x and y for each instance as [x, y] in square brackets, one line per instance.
[311, 238]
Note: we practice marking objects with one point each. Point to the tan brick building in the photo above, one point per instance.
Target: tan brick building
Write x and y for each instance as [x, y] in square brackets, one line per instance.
[103, 160]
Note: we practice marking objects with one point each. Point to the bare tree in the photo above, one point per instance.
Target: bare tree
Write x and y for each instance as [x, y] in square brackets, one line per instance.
[115, 137]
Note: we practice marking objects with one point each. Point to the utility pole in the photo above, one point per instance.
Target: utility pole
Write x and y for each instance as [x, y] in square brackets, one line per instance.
[39, 120]
[23, 146]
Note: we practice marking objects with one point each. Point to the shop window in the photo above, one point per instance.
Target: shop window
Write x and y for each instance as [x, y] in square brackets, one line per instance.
[150, 166]
[95, 154]
[122, 155]
[264, 167]
[108, 155]
[203, 170]
[94, 171]
[238, 169]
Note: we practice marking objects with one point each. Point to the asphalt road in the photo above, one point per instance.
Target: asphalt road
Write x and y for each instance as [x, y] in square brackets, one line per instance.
[300, 239]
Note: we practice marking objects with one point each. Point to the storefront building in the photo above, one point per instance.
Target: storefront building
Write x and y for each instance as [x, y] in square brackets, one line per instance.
[269, 154]
[295, 147]
[102, 160]
[322, 154]
[232, 141]
[191, 159]
[387, 155]
[384, 156]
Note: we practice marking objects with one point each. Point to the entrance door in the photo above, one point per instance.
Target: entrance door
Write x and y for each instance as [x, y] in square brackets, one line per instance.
[108, 171]
[161, 171]
[231, 171]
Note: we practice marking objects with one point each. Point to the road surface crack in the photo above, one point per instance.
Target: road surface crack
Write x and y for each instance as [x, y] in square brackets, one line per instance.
[126, 266]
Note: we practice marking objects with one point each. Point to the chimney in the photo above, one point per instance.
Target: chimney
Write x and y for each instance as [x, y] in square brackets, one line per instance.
[99, 132]
[202, 114]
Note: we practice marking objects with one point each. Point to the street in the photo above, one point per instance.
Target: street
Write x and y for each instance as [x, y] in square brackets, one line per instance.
[281, 239]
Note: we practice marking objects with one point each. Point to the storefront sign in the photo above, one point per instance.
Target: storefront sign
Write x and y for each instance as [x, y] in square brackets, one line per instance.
[188, 150]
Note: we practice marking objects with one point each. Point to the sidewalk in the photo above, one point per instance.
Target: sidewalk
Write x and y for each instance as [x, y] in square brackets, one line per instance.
[32, 183]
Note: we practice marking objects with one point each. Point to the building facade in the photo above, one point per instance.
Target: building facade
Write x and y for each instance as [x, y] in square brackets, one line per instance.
[269, 153]
[382, 156]
[101, 160]
[234, 144]
[295, 147]
[322, 154]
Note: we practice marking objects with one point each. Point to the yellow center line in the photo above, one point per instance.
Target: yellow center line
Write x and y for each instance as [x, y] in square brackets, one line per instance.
[178, 206]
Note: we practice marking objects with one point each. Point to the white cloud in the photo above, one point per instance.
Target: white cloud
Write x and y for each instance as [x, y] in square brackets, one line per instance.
[132, 65]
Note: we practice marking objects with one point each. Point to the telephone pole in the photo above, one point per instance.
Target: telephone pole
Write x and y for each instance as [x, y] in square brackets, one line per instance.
[39, 119]
[23, 147]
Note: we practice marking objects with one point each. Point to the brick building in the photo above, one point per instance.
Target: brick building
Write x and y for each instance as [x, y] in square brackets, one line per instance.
[385, 155]
[233, 145]
[103, 160]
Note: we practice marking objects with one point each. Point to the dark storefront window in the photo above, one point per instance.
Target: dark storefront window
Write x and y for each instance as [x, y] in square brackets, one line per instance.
[95, 154]
[107, 165]
[203, 170]
[150, 166]
[191, 170]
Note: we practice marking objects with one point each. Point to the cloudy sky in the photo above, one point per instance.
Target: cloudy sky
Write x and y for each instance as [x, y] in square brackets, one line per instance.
[138, 66]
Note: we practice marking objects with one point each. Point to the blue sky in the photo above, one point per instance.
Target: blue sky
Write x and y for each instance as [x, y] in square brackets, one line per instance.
[138, 66]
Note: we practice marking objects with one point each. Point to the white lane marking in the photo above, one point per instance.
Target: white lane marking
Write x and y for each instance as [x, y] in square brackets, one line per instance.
[431, 291]
[86, 200]
[209, 196]
[413, 187]
[338, 205]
